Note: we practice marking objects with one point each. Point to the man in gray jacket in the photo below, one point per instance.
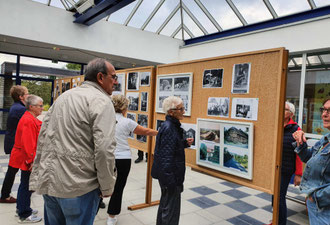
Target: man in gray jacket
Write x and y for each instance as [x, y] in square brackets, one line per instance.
[74, 164]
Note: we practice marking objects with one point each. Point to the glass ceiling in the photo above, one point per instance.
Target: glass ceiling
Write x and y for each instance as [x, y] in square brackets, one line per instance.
[185, 19]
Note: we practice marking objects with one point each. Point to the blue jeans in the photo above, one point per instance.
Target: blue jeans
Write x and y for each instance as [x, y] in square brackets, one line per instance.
[316, 216]
[72, 211]
[24, 196]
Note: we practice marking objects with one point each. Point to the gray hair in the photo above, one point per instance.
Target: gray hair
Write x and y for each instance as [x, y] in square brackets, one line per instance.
[291, 107]
[32, 100]
[171, 102]
[120, 103]
[94, 67]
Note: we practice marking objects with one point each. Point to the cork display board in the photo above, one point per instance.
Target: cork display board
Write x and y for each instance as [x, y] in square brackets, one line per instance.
[61, 85]
[241, 88]
[138, 85]
[77, 80]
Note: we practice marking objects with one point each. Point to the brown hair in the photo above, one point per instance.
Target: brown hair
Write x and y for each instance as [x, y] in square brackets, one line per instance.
[120, 102]
[326, 99]
[17, 91]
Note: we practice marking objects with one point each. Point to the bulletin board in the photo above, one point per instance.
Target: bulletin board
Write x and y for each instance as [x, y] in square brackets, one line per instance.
[267, 83]
[140, 110]
[76, 81]
[61, 85]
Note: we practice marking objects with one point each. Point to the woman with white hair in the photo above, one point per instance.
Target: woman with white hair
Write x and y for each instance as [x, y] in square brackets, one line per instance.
[23, 154]
[169, 161]
[291, 163]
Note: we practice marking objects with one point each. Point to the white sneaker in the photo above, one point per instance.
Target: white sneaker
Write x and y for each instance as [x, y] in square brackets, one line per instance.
[112, 221]
[34, 212]
[30, 219]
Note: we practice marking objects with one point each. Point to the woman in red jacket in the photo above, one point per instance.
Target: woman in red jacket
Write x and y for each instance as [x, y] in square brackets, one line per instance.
[23, 153]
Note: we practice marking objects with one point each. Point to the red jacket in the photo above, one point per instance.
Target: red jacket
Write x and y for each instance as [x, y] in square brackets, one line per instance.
[25, 147]
[299, 164]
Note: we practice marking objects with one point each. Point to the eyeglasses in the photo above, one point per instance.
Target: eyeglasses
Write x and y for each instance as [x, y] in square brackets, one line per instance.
[323, 110]
[114, 77]
[181, 109]
[39, 106]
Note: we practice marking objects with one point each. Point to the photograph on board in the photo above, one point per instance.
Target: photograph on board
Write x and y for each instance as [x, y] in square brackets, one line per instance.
[143, 121]
[241, 78]
[144, 101]
[120, 87]
[212, 78]
[144, 78]
[133, 98]
[133, 81]
[218, 107]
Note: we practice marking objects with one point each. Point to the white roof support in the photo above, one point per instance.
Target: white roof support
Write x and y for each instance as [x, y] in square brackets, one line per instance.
[65, 4]
[270, 9]
[168, 19]
[133, 12]
[294, 62]
[152, 14]
[200, 26]
[176, 31]
[236, 11]
[49, 2]
[321, 60]
[208, 15]
[181, 18]
[188, 31]
[312, 4]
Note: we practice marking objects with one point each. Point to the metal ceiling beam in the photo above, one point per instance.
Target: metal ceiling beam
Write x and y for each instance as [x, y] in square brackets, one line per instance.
[188, 31]
[176, 31]
[168, 19]
[321, 60]
[312, 4]
[133, 12]
[200, 26]
[237, 12]
[65, 4]
[208, 15]
[181, 18]
[160, 3]
[295, 63]
[270, 9]
[49, 2]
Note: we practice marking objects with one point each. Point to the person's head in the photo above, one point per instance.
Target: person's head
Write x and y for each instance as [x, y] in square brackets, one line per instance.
[103, 73]
[173, 106]
[325, 113]
[19, 93]
[34, 104]
[120, 103]
[289, 110]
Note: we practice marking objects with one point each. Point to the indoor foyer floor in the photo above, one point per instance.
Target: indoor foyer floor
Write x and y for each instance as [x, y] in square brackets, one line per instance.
[205, 200]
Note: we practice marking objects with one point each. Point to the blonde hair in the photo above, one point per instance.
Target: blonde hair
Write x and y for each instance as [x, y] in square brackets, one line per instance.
[17, 91]
[120, 102]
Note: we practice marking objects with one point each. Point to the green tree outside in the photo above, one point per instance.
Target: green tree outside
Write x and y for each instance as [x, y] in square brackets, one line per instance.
[40, 88]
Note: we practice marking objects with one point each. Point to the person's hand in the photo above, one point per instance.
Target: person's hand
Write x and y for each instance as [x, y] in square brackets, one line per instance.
[190, 141]
[297, 180]
[299, 137]
[310, 198]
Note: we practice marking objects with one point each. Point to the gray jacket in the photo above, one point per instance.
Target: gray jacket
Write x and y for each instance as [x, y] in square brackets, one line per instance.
[75, 152]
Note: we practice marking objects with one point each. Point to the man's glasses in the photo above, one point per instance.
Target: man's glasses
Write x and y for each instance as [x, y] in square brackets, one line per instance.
[181, 109]
[114, 77]
[39, 106]
[323, 110]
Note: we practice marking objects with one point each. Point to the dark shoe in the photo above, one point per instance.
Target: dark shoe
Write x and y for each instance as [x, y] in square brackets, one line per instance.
[102, 205]
[8, 200]
[138, 160]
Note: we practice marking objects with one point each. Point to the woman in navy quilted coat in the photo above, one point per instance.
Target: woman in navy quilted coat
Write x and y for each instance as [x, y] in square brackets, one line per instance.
[169, 161]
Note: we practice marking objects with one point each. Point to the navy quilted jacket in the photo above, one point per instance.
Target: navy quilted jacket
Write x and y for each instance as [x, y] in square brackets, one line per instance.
[169, 159]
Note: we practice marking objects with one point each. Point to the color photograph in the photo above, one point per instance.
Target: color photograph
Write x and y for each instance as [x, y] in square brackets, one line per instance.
[236, 136]
[209, 153]
[235, 161]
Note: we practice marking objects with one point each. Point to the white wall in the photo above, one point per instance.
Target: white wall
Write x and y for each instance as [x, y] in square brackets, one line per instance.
[38, 22]
[306, 36]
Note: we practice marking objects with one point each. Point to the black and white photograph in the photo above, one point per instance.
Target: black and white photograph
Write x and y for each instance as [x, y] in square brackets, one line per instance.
[133, 81]
[212, 78]
[233, 153]
[241, 78]
[245, 108]
[131, 116]
[189, 131]
[181, 84]
[143, 121]
[159, 124]
[144, 101]
[165, 84]
[144, 78]
[160, 101]
[65, 86]
[120, 87]
[218, 107]
[133, 98]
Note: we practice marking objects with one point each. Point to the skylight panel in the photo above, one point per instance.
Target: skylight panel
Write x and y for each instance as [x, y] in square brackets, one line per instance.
[285, 7]
[321, 3]
[143, 12]
[172, 25]
[121, 15]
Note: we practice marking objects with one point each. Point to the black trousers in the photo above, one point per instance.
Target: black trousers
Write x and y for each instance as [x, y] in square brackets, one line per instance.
[169, 206]
[123, 167]
[8, 182]
[140, 154]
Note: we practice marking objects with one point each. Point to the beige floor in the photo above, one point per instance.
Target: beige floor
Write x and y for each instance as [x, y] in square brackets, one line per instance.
[191, 214]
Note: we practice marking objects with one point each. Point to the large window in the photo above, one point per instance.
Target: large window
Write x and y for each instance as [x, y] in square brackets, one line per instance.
[312, 72]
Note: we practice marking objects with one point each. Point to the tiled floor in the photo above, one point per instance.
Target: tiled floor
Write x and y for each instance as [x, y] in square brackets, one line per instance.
[205, 200]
